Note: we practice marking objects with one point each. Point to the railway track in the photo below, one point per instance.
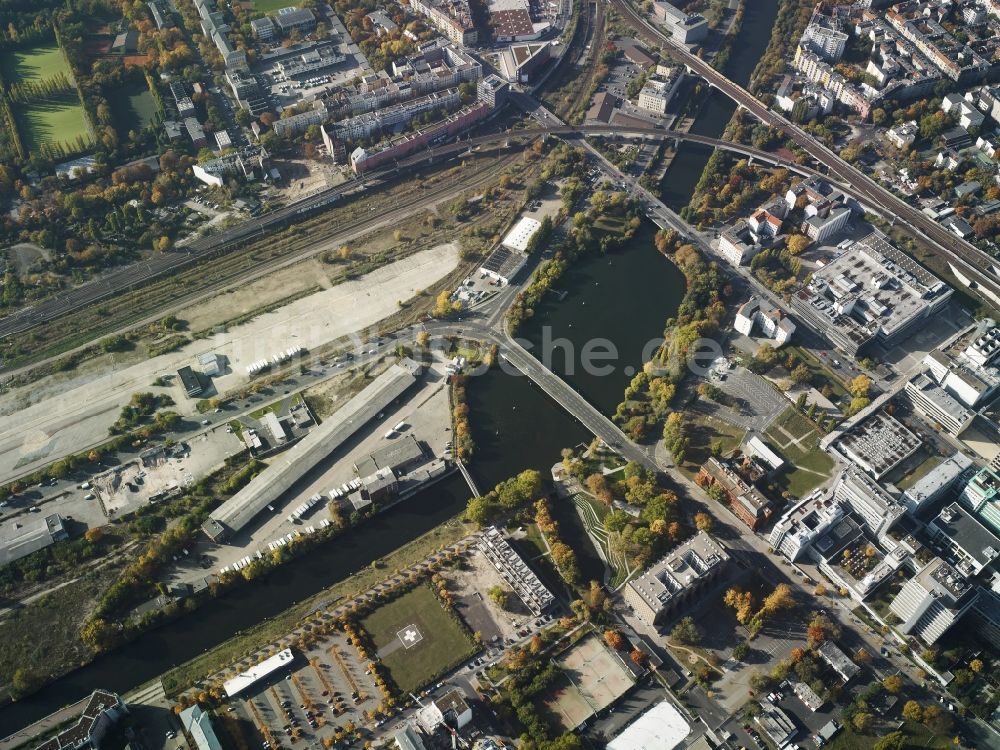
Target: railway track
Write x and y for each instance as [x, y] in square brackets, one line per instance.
[978, 270]
[302, 249]
[593, 34]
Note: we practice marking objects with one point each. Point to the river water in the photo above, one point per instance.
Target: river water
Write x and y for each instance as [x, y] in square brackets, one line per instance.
[685, 170]
[624, 297]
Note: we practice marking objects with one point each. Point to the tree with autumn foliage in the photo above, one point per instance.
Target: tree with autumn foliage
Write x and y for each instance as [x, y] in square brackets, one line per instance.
[639, 657]
[703, 522]
[742, 602]
[614, 639]
[597, 485]
[780, 598]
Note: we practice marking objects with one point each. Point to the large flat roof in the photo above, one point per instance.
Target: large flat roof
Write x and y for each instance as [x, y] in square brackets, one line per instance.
[36, 532]
[660, 728]
[267, 667]
[518, 237]
[291, 466]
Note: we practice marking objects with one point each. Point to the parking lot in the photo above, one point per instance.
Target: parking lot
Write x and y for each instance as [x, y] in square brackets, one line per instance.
[328, 696]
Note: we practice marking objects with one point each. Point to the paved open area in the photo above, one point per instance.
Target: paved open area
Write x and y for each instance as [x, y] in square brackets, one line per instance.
[40, 426]
[424, 412]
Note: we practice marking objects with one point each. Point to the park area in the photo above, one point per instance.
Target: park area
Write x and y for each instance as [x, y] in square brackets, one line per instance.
[416, 639]
[133, 108]
[54, 119]
[797, 440]
[593, 678]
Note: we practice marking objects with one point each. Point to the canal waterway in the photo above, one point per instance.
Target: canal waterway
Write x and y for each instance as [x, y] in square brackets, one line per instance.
[689, 162]
[624, 297]
[616, 302]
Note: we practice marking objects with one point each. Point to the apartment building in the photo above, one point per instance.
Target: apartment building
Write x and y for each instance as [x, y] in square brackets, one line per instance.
[772, 321]
[676, 579]
[451, 17]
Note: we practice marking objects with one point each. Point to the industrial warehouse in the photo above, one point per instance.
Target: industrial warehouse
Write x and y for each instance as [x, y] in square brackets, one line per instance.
[234, 514]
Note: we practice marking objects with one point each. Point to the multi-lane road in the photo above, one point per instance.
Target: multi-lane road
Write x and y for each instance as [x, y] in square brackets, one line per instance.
[966, 259]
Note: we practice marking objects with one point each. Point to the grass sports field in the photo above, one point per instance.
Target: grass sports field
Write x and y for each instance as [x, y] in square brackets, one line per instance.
[271, 6]
[59, 119]
[34, 63]
[434, 642]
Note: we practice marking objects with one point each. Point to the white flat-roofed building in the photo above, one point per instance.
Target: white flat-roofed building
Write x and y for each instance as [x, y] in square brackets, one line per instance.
[738, 244]
[31, 533]
[984, 347]
[661, 727]
[759, 449]
[932, 601]
[519, 237]
[903, 135]
[515, 571]
[877, 508]
[198, 724]
[657, 92]
[827, 42]
[269, 666]
[937, 404]
[803, 523]
[686, 28]
[936, 482]
[264, 29]
[285, 470]
[871, 293]
[808, 696]
[675, 579]
[773, 321]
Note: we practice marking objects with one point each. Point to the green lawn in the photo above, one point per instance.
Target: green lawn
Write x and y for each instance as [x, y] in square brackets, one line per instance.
[59, 119]
[445, 642]
[797, 440]
[270, 6]
[917, 736]
[919, 472]
[34, 64]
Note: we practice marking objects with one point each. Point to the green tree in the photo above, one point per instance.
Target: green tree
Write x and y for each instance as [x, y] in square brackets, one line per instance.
[686, 632]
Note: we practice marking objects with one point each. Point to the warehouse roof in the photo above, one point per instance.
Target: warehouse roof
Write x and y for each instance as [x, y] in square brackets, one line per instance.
[35, 533]
[291, 466]
[398, 453]
[661, 728]
[267, 667]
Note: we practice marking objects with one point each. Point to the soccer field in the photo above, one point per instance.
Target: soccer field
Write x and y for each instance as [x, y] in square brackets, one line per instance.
[416, 639]
[271, 6]
[34, 64]
[58, 119]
